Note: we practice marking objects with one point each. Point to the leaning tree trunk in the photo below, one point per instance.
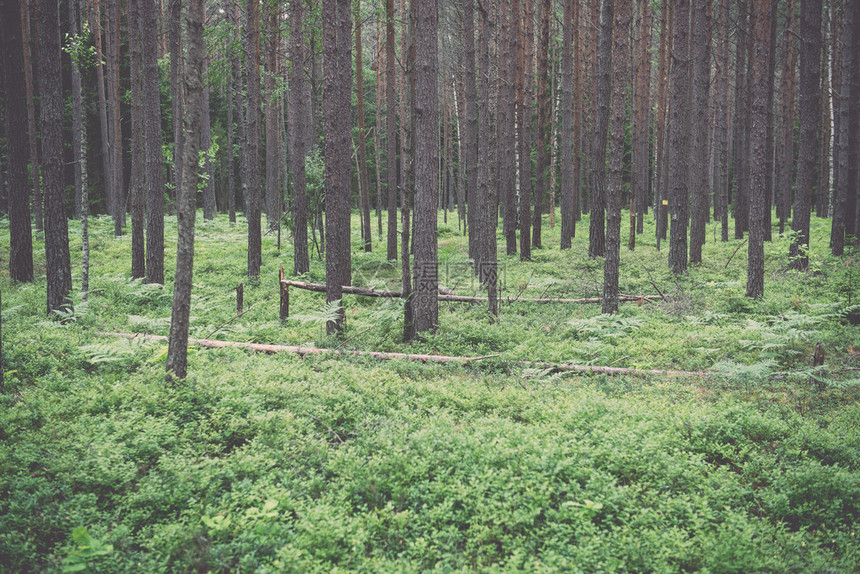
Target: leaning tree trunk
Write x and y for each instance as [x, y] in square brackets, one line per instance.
[177, 349]
[58, 267]
[810, 116]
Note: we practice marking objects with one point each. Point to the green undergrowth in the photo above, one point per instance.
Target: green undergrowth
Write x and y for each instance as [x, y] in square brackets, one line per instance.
[274, 463]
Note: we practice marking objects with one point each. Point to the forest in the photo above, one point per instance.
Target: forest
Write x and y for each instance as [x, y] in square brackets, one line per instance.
[296, 285]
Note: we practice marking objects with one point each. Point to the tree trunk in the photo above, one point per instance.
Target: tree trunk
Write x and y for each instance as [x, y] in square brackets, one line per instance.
[113, 102]
[722, 114]
[470, 127]
[596, 230]
[391, 132]
[810, 116]
[210, 206]
[138, 143]
[846, 183]
[542, 135]
[79, 151]
[174, 41]
[337, 83]
[58, 266]
[761, 89]
[568, 219]
[252, 133]
[525, 53]
[407, 89]
[660, 209]
[701, 72]
[641, 171]
[231, 158]
[298, 115]
[620, 63]
[20, 233]
[425, 120]
[364, 181]
[152, 128]
[177, 349]
[506, 138]
[273, 154]
[35, 179]
[679, 136]
[578, 95]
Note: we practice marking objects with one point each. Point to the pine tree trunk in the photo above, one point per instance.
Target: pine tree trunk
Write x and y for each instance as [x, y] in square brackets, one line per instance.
[568, 219]
[364, 181]
[641, 171]
[721, 185]
[761, 89]
[152, 129]
[113, 101]
[298, 115]
[273, 154]
[407, 92]
[425, 120]
[620, 62]
[252, 133]
[846, 183]
[391, 132]
[661, 209]
[177, 350]
[603, 70]
[15, 98]
[79, 147]
[138, 144]
[337, 83]
[810, 116]
[470, 128]
[578, 95]
[231, 159]
[35, 179]
[210, 206]
[174, 42]
[542, 134]
[679, 139]
[525, 53]
[57, 260]
[701, 72]
[506, 138]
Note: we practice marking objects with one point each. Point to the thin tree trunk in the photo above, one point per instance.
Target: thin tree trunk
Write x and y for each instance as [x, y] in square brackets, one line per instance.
[252, 133]
[761, 89]
[58, 267]
[152, 128]
[377, 135]
[20, 233]
[596, 231]
[506, 138]
[210, 206]
[641, 172]
[425, 120]
[177, 349]
[273, 154]
[701, 72]
[407, 89]
[846, 183]
[679, 135]
[661, 209]
[578, 95]
[364, 182]
[620, 63]
[79, 146]
[174, 42]
[568, 219]
[525, 54]
[231, 158]
[298, 113]
[810, 116]
[35, 179]
[721, 185]
[391, 132]
[114, 95]
[542, 134]
[138, 144]
[470, 127]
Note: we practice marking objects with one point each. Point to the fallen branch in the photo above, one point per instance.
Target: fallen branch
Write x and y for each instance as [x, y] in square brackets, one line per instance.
[744, 242]
[304, 351]
[350, 290]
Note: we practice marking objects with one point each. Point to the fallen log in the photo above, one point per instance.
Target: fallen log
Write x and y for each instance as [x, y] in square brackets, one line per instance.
[350, 290]
[304, 351]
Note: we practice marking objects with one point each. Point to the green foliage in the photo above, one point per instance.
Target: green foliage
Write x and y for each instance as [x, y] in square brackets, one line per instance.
[275, 463]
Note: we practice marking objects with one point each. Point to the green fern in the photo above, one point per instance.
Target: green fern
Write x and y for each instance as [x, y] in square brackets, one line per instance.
[331, 311]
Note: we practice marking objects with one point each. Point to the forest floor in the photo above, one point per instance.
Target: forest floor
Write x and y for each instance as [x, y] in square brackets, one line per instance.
[274, 463]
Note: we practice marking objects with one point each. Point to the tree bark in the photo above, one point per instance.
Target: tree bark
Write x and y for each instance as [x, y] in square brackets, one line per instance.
[425, 125]
[641, 164]
[568, 218]
[661, 209]
[79, 152]
[470, 127]
[542, 137]
[58, 266]
[620, 64]
[525, 54]
[174, 42]
[210, 206]
[507, 167]
[114, 111]
[273, 154]
[603, 85]
[364, 181]
[138, 144]
[391, 132]
[20, 233]
[810, 116]
[679, 138]
[177, 349]
[298, 115]
[761, 88]
[35, 179]
[701, 72]
[154, 158]
[252, 133]
[337, 83]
